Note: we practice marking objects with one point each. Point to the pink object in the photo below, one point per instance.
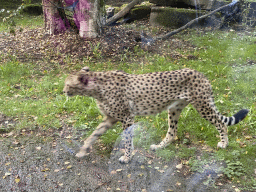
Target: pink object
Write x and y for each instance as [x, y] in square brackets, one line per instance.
[81, 16]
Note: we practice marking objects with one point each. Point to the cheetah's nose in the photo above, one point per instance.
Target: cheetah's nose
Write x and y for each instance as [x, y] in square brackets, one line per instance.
[67, 93]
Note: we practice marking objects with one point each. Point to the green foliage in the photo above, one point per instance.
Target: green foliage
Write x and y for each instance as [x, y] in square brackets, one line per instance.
[233, 169]
[186, 153]
[26, 2]
[12, 19]
[166, 154]
[198, 165]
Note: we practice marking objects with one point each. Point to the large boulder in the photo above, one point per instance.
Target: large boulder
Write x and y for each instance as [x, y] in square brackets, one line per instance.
[32, 9]
[201, 4]
[176, 17]
[249, 16]
[139, 12]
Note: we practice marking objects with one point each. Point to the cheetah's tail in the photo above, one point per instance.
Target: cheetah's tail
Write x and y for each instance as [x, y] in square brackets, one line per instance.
[239, 116]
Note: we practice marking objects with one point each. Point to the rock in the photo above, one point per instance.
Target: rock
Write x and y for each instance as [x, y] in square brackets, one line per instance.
[172, 17]
[202, 4]
[32, 9]
[249, 14]
[139, 12]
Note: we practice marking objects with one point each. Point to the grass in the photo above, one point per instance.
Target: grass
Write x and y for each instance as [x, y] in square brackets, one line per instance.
[34, 98]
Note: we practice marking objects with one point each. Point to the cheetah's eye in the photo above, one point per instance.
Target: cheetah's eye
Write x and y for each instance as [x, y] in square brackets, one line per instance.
[83, 80]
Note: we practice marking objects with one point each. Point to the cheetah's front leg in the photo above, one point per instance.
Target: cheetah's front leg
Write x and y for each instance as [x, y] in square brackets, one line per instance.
[128, 141]
[102, 127]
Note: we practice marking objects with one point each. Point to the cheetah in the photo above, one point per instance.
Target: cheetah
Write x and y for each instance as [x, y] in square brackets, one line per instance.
[121, 96]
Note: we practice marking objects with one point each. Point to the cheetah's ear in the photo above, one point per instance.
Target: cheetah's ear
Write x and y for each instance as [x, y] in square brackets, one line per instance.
[83, 79]
[86, 69]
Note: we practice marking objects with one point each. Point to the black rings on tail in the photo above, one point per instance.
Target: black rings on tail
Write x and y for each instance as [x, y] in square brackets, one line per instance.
[239, 116]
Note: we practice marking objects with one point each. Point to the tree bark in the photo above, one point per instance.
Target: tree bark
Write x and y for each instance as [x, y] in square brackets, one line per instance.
[90, 27]
[52, 17]
[49, 11]
[122, 13]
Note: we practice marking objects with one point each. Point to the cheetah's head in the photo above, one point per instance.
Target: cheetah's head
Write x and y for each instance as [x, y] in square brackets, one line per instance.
[83, 83]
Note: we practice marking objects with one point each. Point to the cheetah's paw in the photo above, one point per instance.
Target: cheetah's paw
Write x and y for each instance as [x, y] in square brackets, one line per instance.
[154, 147]
[83, 152]
[124, 159]
[222, 145]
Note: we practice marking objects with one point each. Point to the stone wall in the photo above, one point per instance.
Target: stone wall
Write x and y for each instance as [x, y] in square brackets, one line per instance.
[199, 4]
[177, 17]
[176, 13]
[249, 14]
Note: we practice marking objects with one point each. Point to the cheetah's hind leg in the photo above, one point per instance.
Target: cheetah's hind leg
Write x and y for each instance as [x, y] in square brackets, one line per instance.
[173, 116]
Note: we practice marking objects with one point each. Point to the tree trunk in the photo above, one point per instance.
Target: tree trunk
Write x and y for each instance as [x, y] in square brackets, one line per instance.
[90, 27]
[86, 17]
[52, 19]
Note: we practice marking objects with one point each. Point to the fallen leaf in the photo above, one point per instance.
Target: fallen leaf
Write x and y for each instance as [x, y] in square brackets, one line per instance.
[38, 148]
[8, 163]
[67, 162]
[248, 137]
[56, 170]
[113, 172]
[10, 134]
[69, 167]
[17, 180]
[15, 142]
[118, 170]
[44, 170]
[179, 166]
[7, 174]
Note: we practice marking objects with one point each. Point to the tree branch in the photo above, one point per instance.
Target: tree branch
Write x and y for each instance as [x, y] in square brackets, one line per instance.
[163, 37]
[122, 13]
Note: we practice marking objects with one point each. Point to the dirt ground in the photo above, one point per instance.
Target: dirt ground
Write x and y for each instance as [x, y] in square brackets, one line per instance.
[45, 161]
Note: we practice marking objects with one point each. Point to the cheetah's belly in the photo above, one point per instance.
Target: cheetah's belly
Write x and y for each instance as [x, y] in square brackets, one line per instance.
[152, 108]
